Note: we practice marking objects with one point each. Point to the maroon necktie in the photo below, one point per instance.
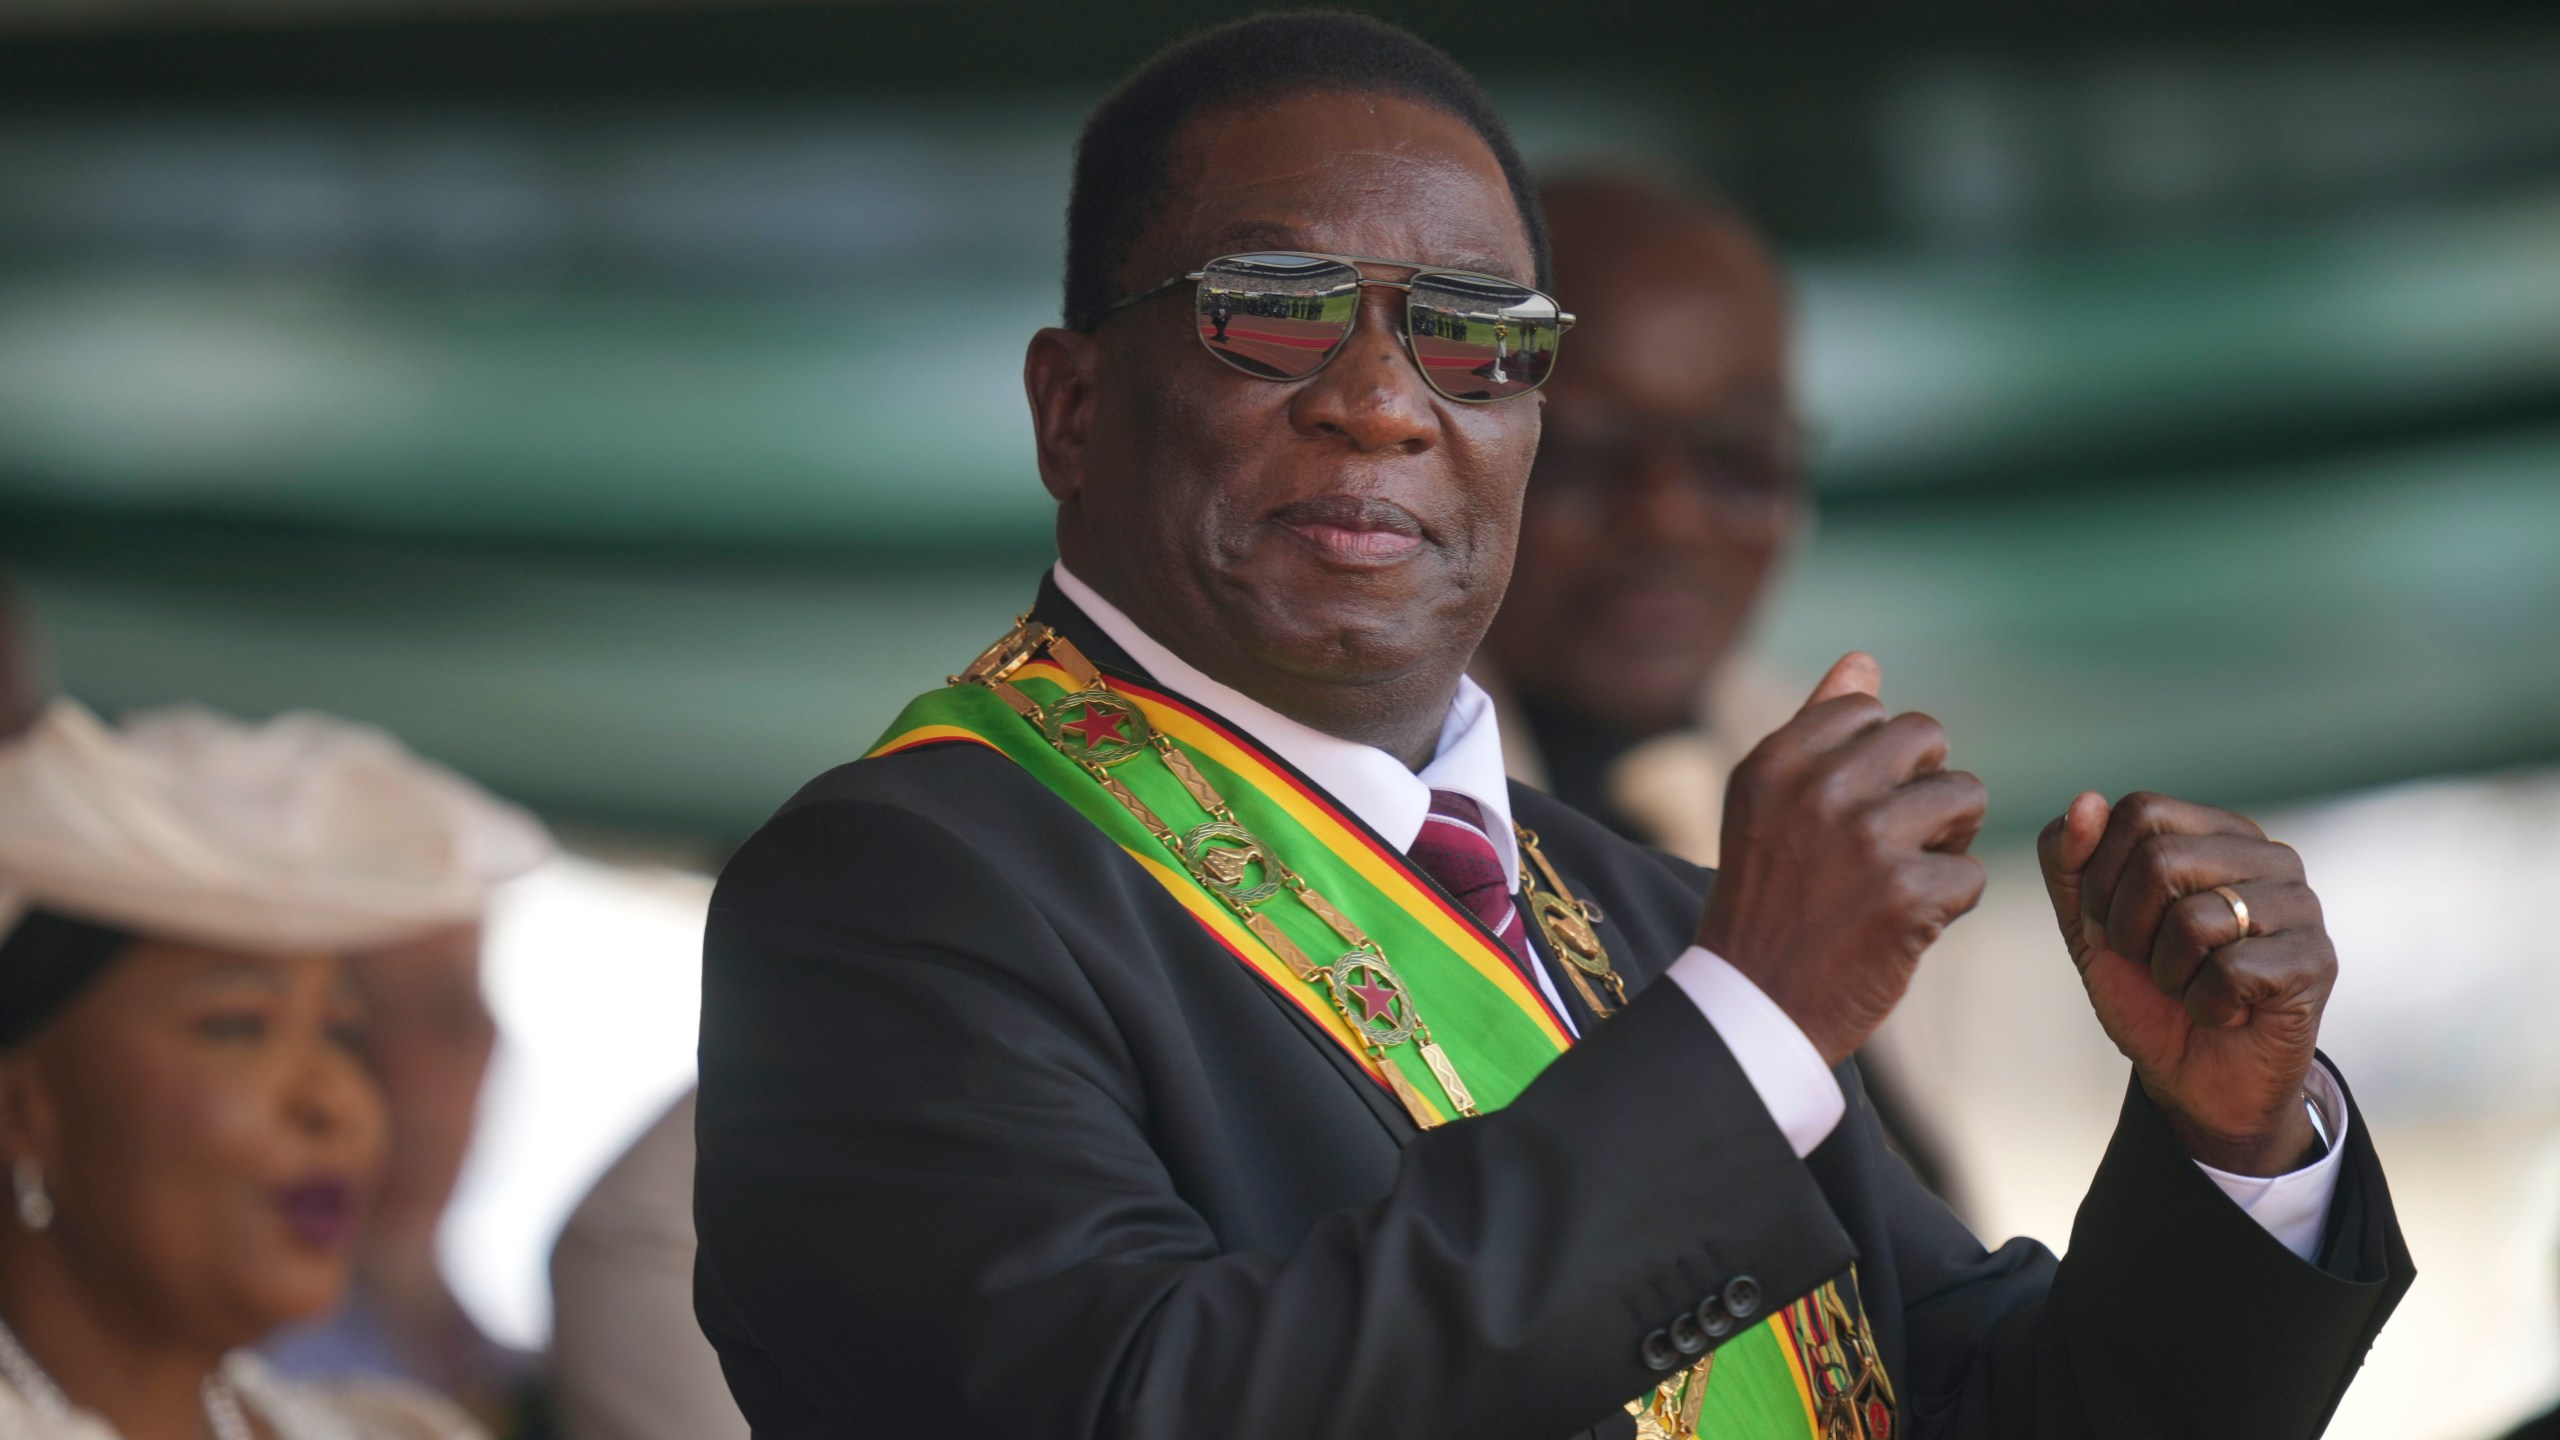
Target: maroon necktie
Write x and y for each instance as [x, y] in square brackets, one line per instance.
[1454, 849]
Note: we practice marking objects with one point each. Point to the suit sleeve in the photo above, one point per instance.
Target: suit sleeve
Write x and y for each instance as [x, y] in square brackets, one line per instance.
[2173, 1313]
[928, 1203]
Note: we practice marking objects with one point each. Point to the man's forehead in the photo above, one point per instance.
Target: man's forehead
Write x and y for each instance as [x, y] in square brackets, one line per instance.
[1452, 254]
[1368, 175]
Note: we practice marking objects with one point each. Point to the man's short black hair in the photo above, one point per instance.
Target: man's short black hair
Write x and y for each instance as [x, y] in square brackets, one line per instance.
[1121, 158]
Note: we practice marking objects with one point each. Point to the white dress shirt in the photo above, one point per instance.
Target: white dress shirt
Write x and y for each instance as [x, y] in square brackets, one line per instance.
[1782, 1064]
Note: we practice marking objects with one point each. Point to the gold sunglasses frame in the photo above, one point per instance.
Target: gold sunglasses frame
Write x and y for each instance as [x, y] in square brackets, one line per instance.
[1564, 317]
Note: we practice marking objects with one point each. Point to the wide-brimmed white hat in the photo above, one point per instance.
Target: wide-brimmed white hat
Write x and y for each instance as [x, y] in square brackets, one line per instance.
[306, 832]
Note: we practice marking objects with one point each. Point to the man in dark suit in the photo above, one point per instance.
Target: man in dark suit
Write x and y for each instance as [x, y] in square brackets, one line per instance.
[1013, 1121]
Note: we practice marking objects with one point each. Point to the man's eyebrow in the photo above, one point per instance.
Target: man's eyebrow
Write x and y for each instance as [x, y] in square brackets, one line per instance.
[1481, 263]
[1258, 235]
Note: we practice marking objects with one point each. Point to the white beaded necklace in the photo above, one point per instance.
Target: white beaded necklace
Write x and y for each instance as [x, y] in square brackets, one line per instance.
[221, 1402]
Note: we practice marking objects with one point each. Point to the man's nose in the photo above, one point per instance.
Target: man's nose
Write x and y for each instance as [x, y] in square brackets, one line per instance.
[1371, 395]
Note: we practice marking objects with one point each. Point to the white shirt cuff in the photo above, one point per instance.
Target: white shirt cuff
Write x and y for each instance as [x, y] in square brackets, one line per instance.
[1781, 1064]
[2294, 1207]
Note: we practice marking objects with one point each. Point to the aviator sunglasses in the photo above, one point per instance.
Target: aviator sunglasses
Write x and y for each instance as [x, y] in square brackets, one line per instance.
[1283, 314]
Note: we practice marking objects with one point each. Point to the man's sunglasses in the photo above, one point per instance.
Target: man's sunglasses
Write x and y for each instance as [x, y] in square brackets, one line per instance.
[1282, 314]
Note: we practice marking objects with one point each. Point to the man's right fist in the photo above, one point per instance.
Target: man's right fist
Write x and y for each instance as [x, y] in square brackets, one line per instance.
[1844, 857]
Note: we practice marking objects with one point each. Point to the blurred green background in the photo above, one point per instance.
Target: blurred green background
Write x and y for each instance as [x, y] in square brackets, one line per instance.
[621, 404]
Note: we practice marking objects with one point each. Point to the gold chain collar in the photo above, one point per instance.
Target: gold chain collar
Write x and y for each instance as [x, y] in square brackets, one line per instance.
[1098, 729]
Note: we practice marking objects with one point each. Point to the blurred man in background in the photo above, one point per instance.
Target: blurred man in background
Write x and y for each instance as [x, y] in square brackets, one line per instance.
[1667, 490]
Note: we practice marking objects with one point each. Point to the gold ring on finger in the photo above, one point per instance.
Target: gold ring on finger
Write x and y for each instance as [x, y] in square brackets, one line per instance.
[2239, 910]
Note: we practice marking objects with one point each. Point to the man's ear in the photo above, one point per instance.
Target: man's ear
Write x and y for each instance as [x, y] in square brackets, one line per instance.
[1057, 376]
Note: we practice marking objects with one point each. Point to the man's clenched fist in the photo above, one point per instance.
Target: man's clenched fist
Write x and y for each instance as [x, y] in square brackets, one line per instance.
[2219, 1024]
[1844, 857]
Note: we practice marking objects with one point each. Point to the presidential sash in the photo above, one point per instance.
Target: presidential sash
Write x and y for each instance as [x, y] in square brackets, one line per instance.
[1346, 929]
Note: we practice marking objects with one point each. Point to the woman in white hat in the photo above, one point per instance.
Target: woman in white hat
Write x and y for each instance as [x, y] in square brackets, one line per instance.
[189, 1138]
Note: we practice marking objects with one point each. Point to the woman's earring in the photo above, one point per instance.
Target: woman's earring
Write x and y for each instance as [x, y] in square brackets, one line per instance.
[35, 1208]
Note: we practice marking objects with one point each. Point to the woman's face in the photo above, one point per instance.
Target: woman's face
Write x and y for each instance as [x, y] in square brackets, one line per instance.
[209, 1138]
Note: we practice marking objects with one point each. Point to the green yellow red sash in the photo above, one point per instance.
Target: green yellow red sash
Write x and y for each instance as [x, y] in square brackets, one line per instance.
[1497, 1031]
[1809, 1371]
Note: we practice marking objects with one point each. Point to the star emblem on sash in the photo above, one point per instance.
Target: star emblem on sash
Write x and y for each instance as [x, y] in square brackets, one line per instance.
[1106, 730]
[1376, 999]
[1096, 728]
[1385, 1014]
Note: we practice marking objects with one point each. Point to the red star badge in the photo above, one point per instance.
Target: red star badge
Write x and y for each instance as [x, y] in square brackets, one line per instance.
[1097, 728]
[1378, 1001]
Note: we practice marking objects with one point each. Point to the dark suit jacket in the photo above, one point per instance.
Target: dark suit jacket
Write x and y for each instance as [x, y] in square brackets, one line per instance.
[995, 1140]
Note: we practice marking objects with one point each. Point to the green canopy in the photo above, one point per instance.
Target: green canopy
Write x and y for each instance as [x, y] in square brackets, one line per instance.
[651, 539]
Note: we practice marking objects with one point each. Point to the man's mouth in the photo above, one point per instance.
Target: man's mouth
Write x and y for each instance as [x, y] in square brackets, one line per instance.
[1353, 531]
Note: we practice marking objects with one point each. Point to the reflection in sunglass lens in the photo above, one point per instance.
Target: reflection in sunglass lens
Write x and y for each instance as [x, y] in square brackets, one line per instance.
[1479, 338]
[1277, 316]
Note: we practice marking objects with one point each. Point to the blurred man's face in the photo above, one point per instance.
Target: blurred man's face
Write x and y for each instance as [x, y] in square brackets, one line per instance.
[1665, 486]
[1343, 534]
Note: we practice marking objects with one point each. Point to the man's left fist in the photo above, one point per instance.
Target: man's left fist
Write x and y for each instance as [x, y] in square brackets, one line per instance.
[2219, 1024]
